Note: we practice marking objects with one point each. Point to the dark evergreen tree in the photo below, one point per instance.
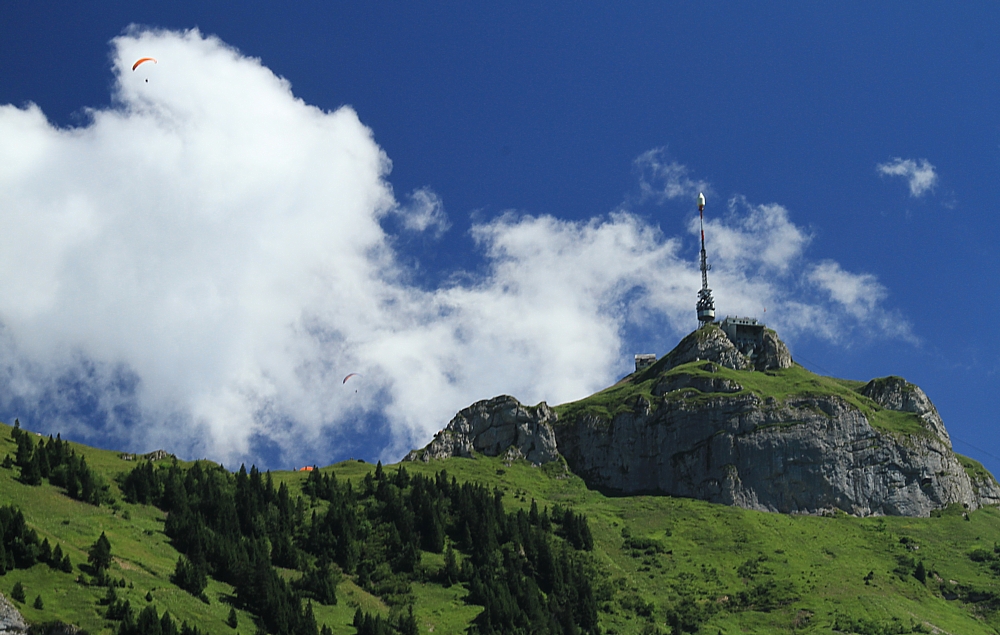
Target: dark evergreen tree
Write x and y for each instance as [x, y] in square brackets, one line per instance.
[148, 622]
[17, 592]
[55, 561]
[38, 604]
[232, 621]
[189, 576]
[31, 473]
[408, 623]
[167, 625]
[99, 555]
[450, 572]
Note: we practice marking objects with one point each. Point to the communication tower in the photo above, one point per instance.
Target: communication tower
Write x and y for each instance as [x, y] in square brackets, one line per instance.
[706, 305]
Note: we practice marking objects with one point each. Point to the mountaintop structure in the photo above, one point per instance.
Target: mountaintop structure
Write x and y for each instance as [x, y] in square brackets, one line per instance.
[728, 417]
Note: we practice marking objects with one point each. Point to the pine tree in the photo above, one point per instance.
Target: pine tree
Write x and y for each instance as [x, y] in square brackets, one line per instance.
[450, 572]
[57, 555]
[167, 625]
[31, 473]
[45, 552]
[17, 593]
[25, 450]
[149, 622]
[920, 573]
[38, 604]
[99, 555]
[408, 624]
[232, 621]
[307, 626]
[190, 576]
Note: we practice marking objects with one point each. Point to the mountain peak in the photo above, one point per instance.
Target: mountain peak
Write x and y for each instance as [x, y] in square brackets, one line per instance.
[727, 417]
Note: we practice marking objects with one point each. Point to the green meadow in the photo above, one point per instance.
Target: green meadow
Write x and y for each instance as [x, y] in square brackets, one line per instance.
[659, 563]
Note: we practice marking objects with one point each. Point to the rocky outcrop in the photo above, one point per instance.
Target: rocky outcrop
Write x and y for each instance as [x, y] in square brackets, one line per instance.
[895, 393]
[803, 455]
[155, 455]
[709, 343]
[11, 621]
[495, 427]
[699, 432]
[774, 354]
[712, 343]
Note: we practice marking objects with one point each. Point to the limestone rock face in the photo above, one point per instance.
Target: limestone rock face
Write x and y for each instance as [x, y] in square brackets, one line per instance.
[710, 343]
[11, 621]
[895, 393]
[774, 353]
[495, 427]
[697, 432]
[806, 455]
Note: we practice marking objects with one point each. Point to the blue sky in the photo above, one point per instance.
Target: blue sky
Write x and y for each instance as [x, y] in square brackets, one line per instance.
[458, 201]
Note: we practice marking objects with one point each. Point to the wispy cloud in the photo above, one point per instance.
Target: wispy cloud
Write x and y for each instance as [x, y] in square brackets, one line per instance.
[760, 261]
[424, 212]
[919, 174]
[661, 180]
[199, 267]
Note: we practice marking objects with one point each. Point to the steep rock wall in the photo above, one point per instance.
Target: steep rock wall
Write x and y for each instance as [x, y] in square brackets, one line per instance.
[699, 434]
[805, 455]
[11, 622]
[498, 426]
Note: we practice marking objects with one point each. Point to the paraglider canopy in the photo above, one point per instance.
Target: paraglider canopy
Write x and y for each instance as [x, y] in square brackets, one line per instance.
[349, 376]
[142, 60]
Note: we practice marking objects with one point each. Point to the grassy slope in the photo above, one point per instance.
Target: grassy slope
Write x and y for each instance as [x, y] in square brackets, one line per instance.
[825, 558]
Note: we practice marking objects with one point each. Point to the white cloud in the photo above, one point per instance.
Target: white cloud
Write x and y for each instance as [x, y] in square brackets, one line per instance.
[661, 180]
[425, 211]
[199, 267]
[920, 174]
[758, 236]
[859, 294]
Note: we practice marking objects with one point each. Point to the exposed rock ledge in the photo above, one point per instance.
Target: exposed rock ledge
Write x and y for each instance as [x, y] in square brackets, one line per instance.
[11, 622]
[501, 425]
[712, 343]
[804, 454]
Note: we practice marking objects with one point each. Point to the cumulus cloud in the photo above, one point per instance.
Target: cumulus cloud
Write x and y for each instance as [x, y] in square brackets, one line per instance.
[199, 266]
[661, 179]
[920, 174]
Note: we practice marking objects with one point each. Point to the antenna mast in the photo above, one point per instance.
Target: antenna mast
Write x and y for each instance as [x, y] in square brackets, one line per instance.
[706, 305]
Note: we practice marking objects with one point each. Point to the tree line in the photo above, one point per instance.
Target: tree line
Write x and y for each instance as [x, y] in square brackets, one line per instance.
[526, 569]
[56, 461]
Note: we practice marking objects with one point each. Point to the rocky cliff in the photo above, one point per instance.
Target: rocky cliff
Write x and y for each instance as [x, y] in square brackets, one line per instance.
[501, 425]
[11, 622]
[705, 422]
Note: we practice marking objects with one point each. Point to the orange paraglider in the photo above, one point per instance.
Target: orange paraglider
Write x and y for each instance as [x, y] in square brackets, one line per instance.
[349, 376]
[142, 60]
